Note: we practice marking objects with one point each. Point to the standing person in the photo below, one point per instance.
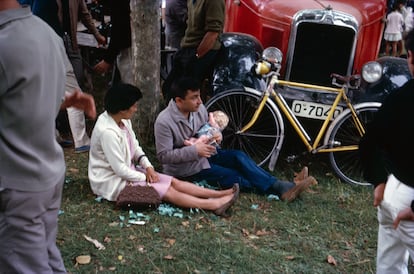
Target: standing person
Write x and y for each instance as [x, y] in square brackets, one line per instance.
[393, 31]
[182, 118]
[62, 16]
[200, 44]
[384, 150]
[33, 68]
[119, 47]
[175, 22]
[115, 152]
[70, 12]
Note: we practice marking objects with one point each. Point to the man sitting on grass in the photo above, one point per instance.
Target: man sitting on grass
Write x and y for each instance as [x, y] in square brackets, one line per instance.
[183, 117]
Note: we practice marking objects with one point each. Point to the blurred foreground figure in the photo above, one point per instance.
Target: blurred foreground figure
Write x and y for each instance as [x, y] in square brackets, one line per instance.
[33, 69]
[384, 151]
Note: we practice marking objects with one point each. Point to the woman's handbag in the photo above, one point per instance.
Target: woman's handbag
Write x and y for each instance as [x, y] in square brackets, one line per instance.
[138, 197]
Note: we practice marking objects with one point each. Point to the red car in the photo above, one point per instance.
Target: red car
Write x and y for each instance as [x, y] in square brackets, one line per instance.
[312, 46]
[316, 37]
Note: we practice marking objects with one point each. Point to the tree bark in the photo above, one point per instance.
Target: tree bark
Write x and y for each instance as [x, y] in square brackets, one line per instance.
[145, 34]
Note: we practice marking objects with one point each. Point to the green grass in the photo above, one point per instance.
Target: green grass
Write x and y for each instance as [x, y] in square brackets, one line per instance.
[261, 236]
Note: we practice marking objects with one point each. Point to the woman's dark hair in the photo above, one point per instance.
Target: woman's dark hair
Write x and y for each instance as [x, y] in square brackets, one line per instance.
[121, 97]
[181, 85]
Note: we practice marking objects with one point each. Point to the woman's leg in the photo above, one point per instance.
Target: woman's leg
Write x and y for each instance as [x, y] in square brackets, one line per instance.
[394, 48]
[198, 191]
[387, 48]
[185, 200]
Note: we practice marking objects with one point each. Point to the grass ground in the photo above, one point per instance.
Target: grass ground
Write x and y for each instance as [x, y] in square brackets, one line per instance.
[329, 230]
[332, 229]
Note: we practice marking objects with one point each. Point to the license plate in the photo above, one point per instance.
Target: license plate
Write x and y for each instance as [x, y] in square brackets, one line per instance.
[313, 110]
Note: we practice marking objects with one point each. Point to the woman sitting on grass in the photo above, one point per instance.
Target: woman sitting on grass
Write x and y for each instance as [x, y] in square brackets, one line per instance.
[115, 154]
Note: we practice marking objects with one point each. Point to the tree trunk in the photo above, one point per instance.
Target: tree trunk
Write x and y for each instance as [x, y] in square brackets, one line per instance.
[145, 34]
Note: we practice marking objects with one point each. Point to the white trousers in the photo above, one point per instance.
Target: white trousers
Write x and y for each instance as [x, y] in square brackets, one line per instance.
[394, 245]
[124, 63]
[77, 125]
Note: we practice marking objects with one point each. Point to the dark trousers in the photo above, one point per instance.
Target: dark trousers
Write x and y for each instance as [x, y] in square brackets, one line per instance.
[234, 166]
[185, 63]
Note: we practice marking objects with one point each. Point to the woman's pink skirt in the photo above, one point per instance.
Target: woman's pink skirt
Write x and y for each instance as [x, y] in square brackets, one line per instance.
[161, 186]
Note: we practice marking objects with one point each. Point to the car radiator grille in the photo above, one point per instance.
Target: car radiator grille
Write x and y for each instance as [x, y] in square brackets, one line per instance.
[319, 50]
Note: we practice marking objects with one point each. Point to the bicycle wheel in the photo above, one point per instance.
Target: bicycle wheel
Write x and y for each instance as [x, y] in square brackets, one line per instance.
[263, 137]
[346, 164]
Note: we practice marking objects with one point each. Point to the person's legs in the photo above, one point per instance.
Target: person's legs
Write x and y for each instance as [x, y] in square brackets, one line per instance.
[388, 47]
[77, 124]
[399, 48]
[202, 65]
[202, 70]
[182, 63]
[28, 227]
[394, 48]
[124, 64]
[76, 117]
[185, 200]
[242, 163]
[392, 252]
[198, 191]
[222, 177]
[256, 177]
[392, 256]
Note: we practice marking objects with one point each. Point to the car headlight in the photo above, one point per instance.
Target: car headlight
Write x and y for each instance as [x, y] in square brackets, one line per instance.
[372, 72]
[272, 55]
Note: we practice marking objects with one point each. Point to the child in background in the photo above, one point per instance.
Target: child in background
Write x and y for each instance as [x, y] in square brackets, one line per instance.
[393, 31]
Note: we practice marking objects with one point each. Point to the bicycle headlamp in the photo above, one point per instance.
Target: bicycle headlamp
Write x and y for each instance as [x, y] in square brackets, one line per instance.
[372, 72]
[272, 55]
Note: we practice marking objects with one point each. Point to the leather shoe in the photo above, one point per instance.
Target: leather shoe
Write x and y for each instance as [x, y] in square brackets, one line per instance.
[303, 174]
[222, 211]
[297, 189]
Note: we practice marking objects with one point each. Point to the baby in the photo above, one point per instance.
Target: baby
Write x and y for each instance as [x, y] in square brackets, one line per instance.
[211, 131]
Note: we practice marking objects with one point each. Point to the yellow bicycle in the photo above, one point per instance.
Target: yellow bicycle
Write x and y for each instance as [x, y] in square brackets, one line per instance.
[257, 126]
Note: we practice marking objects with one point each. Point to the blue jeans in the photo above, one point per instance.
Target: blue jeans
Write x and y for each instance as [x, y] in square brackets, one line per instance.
[233, 166]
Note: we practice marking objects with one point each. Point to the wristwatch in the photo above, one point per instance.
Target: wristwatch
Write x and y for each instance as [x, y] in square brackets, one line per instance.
[412, 205]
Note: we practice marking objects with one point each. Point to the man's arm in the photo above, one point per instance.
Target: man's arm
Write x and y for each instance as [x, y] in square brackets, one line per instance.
[214, 23]
[171, 148]
[167, 153]
[207, 43]
[87, 20]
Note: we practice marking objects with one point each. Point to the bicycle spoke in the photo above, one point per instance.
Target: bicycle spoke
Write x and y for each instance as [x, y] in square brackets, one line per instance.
[259, 140]
[346, 164]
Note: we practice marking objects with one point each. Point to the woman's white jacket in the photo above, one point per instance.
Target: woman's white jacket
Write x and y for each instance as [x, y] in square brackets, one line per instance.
[110, 158]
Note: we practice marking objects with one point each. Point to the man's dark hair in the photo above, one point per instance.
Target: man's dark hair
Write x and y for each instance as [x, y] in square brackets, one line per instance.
[121, 97]
[180, 87]
[409, 41]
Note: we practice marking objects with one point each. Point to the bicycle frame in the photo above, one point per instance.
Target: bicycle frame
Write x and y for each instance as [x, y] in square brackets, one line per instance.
[296, 124]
